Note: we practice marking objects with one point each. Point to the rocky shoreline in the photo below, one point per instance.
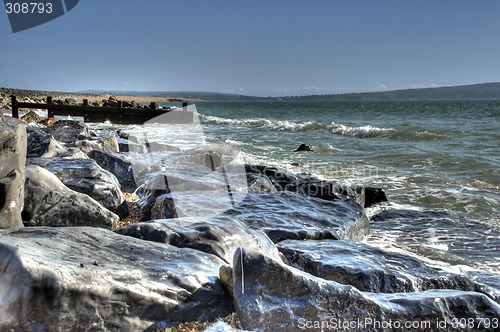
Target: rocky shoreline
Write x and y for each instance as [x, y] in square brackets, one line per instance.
[104, 233]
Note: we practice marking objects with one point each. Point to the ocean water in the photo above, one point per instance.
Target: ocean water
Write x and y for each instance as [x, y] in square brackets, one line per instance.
[441, 156]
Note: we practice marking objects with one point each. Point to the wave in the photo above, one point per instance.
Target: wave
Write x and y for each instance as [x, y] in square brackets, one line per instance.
[367, 131]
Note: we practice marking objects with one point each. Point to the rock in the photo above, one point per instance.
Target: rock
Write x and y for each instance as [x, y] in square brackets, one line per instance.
[12, 171]
[371, 269]
[103, 144]
[370, 196]
[69, 131]
[221, 327]
[220, 235]
[48, 202]
[303, 184]
[70, 101]
[270, 296]
[129, 168]
[89, 279]
[31, 117]
[85, 176]
[303, 147]
[41, 144]
[288, 215]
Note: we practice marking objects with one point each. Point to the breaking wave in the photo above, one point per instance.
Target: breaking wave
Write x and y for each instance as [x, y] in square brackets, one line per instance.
[367, 131]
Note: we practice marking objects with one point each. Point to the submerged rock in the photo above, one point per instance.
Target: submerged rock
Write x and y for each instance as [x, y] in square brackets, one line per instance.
[89, 279]
[288, 215]
[270, 296]
[12, 171]
[85, 176]
[371, 269]
[48, 202]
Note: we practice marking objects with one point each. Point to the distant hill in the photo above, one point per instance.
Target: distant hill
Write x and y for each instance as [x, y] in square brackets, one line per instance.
[485, 91]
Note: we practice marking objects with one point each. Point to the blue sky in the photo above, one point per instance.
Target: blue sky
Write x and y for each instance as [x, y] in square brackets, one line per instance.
[266, 48]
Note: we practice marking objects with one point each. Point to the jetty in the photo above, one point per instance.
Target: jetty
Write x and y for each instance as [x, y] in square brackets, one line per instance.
[95, 114]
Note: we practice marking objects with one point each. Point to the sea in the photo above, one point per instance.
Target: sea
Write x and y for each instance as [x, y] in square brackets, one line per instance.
[436, 157]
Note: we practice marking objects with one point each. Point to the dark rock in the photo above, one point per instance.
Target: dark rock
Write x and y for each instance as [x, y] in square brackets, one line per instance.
[88, 279]
[371, 269]
[270, 296]
[48, 202]
[69, 131]
[303, 184]
[288, 215]
[303, 147]
[438, 236]
[370, 196]
[85, 176]
[220, 235]
[12, 171]
[41, 144]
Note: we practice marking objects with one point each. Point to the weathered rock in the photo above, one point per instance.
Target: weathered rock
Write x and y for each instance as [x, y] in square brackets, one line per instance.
[304, 184]
[31, 117]
[288, 215]
[371, 269]
[303, 147]
[12, 171]
[85, 176]
[104, 144]
[220, 236]
[48, 202]
[89, 279]
[221, 327]
[270, 296]
[369, 196]
[41, 144]
[130, 167]
[69, 131]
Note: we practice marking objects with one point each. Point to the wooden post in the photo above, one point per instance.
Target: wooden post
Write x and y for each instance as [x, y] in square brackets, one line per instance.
[85, 102]
[15, 107]
[50, 112]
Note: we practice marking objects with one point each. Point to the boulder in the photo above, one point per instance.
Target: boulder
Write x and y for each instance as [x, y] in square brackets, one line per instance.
[31, 117]
[303, 147]
[271, 296]
[129, 168]
[90, 279]
[41, 144]
[369, 196]
[48, 202]
[104, 144]
[12, 171]
[85, 176]
[286, 215]
[371, 269]
[220, 235]
[70, 131]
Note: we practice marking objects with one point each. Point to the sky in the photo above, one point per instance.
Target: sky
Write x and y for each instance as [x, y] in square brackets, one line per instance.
[258, 47]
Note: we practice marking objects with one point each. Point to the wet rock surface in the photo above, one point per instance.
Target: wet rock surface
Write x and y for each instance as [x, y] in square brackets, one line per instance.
[288, 215]
[12, 171]
[48, 202]
[371, 269]
[270, 296]
[85, 176]
[220, 235]
[91, 279]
